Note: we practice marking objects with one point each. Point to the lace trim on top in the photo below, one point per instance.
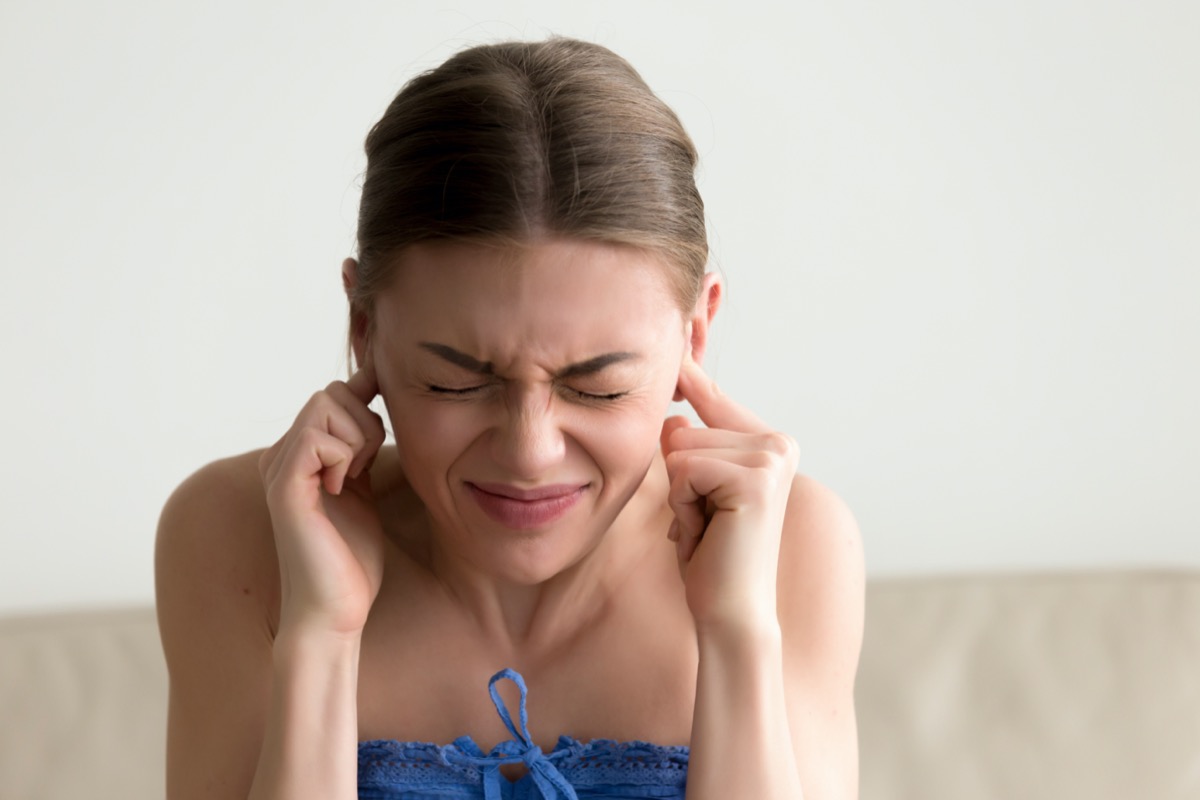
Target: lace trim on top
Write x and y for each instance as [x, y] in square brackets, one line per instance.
[571, 771]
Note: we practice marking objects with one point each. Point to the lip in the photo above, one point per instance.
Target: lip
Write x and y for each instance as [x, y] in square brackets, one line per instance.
[524, 509]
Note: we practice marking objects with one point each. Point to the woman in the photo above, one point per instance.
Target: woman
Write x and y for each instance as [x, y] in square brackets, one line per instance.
[674, 602]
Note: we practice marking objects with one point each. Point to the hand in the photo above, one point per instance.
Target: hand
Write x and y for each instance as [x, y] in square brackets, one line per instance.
[729, 490]
[328, 534]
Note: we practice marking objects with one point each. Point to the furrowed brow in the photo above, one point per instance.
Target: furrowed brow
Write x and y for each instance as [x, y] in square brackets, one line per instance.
[457, 358]
[594, 365]
[580, 369]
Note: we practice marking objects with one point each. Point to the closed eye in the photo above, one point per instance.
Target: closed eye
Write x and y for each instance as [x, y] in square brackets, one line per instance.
[457, 392]
[589, 397]
[597, 398]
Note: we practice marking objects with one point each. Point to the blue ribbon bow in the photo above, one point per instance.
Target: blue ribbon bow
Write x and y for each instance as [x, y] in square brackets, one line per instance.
[520, 749]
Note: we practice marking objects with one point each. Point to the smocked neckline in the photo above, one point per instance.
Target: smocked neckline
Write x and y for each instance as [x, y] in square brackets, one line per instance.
[387, 763]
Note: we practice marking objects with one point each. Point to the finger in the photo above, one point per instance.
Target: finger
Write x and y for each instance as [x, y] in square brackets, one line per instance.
[340, 419]
[323, 414]
[702, 481]
[370, 425]
[720, 438]
[312, 453]
[360, 486]
[363, 383]
[702, 486]
[714, 407]
[670, 425]
[673, 530]
[688, 507]
[751, 459]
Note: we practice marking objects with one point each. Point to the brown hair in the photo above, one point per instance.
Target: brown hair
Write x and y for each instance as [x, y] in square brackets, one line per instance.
[514, 141]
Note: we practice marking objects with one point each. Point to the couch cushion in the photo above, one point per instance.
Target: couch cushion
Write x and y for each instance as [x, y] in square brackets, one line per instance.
[83, 700]
[1032, 686]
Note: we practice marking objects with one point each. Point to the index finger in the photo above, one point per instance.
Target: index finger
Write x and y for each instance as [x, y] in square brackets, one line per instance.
[715, 408]
[363, 383]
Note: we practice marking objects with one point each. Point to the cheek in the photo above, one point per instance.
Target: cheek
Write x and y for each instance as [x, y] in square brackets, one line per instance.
[431, 433]
[642, 422]
[425, 430]
[626, 440]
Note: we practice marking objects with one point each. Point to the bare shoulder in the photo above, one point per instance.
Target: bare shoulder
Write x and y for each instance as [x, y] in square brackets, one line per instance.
[821, 571]
[214, 537]
[217, 590]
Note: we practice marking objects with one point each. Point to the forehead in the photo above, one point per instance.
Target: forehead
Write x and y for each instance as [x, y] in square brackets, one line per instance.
[555, 297]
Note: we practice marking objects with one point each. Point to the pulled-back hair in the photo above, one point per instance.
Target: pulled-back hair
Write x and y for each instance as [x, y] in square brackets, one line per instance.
[523, 140]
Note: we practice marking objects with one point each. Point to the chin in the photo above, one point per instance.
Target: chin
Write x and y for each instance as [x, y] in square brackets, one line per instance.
[533, 557]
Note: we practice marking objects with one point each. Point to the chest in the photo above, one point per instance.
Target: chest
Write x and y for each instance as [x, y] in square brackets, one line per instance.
[630, 676]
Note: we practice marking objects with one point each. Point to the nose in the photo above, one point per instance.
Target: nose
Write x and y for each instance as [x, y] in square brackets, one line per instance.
[528, 440]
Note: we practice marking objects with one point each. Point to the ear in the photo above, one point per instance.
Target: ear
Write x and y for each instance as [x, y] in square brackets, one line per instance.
[700, 321]
[358, 316]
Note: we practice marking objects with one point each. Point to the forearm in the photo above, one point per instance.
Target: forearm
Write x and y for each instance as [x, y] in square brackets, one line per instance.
[741, 743]
[310, 743]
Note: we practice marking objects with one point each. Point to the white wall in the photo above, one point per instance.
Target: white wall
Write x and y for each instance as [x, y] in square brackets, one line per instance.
[961, 245]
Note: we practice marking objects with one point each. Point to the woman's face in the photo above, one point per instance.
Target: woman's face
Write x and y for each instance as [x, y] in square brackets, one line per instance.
[526, 389]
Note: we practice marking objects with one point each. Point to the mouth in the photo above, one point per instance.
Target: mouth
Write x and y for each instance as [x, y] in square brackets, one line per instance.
[526, 509]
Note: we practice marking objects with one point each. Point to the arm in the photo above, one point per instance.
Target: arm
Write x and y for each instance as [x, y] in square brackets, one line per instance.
[775, 705]
[741, 740]
[310, 747]
[773, 569]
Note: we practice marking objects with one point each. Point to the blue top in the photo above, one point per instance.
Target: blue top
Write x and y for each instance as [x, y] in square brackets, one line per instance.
[391, 770]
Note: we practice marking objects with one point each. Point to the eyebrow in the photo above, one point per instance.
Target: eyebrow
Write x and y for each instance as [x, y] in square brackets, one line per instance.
[576, 370]
[459, 359]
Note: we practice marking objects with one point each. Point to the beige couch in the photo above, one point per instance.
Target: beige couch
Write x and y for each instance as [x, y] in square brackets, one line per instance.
[1019, 687]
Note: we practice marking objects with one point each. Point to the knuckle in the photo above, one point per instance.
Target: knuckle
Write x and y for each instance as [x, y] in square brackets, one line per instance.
[309, 437]
[320, 399]
[777, 443]
[316, 407]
